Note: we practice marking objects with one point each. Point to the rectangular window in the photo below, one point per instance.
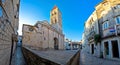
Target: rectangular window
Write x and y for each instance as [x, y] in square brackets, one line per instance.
[117, 20]
[1, 12]
[105, 25]
[118, 6]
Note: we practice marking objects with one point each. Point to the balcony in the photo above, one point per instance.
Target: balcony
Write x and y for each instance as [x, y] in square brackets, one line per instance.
[91, 36]
[111, 31]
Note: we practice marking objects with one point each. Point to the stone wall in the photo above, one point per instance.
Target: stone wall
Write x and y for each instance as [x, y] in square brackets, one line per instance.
[7, 29]
[75, 59]
[34, 59]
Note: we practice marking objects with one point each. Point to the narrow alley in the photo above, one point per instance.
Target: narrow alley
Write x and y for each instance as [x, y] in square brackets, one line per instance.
[18, 58]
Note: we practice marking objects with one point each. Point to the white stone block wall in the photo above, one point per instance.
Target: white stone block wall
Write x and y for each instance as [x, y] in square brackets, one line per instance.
[8, 26]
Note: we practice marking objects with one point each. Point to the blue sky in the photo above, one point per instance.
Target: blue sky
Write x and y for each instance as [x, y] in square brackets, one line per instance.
[74, 14]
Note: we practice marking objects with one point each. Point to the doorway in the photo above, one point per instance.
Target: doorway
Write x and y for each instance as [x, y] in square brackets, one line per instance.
[115, 50]
[92, 48]
[106, 46]
[55, 43]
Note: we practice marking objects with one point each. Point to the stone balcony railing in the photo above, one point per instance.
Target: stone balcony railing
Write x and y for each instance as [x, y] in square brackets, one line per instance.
[108, 32]
[111, 31]
[91, 35]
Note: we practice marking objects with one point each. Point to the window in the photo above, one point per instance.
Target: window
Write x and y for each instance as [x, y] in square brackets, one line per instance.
[1, 13]
[92, 28]
[55, 13]
[2, 26]
[117, 20]
[105, 25]
[44, 38]
[105, 4]
[31, 29]
[118, 6]
[3, 1]
[52, 14]
[55, 21]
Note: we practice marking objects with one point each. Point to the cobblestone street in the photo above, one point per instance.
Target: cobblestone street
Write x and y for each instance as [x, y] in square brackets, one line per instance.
[87, 59]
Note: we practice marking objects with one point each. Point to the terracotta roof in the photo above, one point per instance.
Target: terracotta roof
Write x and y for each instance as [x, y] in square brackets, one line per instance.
[54, 7]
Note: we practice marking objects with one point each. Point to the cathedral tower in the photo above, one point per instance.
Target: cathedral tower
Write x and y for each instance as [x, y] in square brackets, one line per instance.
[56, 19]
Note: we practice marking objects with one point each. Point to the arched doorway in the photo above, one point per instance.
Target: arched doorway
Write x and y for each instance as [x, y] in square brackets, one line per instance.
[55, 43]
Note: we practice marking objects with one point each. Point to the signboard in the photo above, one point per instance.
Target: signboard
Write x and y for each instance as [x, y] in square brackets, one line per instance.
[111, 30]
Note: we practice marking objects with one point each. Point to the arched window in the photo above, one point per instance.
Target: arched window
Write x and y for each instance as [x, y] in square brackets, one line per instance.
[55, 13]
[55, 21]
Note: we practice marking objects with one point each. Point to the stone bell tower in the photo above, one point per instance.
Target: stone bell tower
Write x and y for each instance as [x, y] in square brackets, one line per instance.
[56, 19]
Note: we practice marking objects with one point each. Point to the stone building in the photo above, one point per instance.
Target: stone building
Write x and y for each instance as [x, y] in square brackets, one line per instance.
[67, 44]
[43, 35]
[75, 45]
[106, 42]
[72, 45]
[9, 21]
[91, 29]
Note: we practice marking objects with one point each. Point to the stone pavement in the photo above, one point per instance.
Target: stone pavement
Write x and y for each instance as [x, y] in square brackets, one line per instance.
[87, 59]
[58, 56]
[18, 58]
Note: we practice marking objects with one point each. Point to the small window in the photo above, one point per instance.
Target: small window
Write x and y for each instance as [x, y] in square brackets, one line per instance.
[55, 13]
[31, 29]
[105, 4]
[52, 14]
[2, 26]
[118, 6]
[117, 20]
[44, 38]
[105, 25]
[55, 21]
[3, 1]
[1, 12]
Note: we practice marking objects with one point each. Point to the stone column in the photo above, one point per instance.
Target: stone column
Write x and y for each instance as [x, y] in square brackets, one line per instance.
[119, 45]
[110, 49]
[103, 49]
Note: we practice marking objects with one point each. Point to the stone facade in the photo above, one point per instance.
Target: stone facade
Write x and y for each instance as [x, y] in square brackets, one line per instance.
[9, 21]
[107, 29]
[43, 35]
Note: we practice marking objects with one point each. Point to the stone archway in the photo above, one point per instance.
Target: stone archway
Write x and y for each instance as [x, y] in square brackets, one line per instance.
[56, 44]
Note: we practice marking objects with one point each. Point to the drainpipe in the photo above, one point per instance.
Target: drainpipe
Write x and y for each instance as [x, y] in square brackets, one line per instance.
[11, 50]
